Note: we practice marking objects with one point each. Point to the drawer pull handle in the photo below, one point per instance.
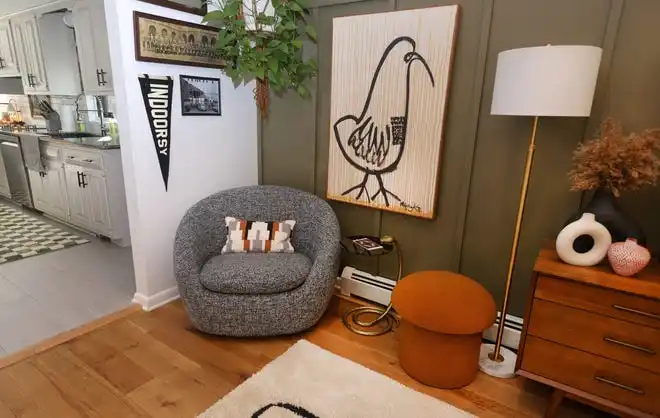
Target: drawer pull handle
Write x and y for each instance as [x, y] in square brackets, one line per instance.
[636, 311]
[620, 385]
[629, 345]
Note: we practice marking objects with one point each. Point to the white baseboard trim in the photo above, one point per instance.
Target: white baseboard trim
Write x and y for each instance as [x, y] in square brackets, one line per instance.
[512, 331]
[161, 298]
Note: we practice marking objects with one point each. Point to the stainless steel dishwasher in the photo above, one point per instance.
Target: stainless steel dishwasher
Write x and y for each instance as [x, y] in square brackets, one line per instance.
[17, 176]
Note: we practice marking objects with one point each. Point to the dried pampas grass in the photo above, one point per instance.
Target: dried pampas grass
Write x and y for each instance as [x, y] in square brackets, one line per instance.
[618, 162]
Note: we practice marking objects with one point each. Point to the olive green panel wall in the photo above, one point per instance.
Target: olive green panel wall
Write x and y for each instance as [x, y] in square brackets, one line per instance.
[483, 155]
[502, 146]
[633, 95]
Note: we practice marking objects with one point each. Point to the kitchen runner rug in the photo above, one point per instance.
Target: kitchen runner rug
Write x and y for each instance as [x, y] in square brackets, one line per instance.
[23, 236]
[310, 382]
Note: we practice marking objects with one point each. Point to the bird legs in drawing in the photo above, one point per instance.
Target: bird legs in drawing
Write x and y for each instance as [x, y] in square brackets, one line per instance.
[362, 187]
[382, 190]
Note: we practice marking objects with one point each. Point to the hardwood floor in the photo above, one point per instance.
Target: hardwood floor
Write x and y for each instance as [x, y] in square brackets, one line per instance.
[154, 364]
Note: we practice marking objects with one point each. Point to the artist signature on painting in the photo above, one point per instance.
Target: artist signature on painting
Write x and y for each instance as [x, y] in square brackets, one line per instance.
[411, 207]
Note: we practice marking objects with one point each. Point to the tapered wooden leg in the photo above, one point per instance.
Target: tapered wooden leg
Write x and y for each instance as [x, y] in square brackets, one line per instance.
[555, 401]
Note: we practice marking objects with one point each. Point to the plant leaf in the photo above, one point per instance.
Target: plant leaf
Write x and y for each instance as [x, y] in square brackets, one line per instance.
[311, 32]
[302, 91]
[216, 15]
[272, 64]
[231, 8]
[297, 43]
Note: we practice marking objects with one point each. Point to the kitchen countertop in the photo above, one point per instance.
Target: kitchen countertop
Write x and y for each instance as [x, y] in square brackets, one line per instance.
[90, 142]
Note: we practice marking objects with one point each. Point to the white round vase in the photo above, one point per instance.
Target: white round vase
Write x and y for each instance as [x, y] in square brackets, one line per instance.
[586, 225]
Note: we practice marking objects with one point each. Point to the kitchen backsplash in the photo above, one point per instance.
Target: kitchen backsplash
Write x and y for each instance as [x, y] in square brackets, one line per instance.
[65, 106]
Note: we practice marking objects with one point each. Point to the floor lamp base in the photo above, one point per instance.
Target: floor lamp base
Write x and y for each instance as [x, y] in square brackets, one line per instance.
[503, 369]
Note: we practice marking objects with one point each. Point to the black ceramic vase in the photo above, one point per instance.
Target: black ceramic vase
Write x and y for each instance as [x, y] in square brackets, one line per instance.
[604, 205]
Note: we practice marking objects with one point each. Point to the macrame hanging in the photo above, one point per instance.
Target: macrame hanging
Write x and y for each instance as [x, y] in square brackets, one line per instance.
[254, 7]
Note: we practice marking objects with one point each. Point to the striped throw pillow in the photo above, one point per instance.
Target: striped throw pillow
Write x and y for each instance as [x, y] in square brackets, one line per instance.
[256, 236]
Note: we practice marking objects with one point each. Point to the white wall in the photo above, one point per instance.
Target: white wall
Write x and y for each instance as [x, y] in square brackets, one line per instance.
[208, 154]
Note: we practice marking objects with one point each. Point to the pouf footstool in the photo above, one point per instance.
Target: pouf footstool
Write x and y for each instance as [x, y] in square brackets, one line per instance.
[443, 317]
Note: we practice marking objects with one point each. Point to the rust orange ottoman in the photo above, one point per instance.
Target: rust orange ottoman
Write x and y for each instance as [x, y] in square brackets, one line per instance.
[443, 317]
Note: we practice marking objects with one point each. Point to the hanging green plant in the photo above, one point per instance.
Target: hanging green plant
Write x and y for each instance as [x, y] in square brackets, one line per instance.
[263, 40]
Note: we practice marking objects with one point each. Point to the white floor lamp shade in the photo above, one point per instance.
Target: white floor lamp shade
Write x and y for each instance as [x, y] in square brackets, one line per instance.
[546, 81]
[537, 81]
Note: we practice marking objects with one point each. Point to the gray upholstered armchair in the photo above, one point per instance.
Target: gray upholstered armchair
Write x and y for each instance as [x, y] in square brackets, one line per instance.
[257, 294]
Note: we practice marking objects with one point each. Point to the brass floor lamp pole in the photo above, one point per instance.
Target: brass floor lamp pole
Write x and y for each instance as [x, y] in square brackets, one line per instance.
[556, 81]
[495, 354]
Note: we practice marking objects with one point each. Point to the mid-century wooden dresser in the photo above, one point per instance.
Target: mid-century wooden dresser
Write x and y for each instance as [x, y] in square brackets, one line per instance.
[594, 336]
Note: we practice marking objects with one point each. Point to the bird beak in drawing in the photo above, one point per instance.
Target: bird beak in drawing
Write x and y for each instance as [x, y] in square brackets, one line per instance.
[413, 56]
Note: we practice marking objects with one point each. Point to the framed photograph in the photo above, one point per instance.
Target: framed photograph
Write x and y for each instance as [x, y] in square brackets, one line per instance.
[197, 7]
[169, 41]
[200, 96]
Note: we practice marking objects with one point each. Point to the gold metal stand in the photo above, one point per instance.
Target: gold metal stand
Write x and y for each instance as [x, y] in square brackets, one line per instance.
[495, 355]
[351, 318]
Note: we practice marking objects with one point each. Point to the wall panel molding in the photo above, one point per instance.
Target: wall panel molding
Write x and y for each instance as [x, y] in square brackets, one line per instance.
[483, 155]
[600, 108]
[475, 111]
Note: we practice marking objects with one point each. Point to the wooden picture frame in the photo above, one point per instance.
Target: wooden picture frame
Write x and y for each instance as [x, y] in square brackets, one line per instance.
[201, 11]
[390, 83]
[204, 103]
[170, 41]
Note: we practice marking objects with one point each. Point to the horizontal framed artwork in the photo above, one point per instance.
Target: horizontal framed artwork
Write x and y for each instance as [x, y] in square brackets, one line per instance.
[169, 41]
[200, 96]
[197, 7]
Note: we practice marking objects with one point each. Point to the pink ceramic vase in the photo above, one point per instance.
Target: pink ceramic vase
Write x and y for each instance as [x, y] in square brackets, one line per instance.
[628, 258]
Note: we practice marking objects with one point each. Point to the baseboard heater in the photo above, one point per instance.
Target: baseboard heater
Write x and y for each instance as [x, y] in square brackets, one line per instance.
[378, 289]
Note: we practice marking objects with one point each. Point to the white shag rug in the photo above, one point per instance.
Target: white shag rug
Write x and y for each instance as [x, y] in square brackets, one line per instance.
[310, 382]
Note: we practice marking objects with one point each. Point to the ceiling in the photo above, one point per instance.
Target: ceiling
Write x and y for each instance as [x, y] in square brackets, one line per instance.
[9, 7]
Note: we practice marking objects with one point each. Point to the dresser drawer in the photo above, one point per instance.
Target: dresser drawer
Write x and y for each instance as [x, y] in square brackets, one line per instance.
[599, 376]
[623, 341]
[602, 301]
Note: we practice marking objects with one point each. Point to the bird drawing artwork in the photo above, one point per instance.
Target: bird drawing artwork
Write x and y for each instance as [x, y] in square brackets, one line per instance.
[374, 141]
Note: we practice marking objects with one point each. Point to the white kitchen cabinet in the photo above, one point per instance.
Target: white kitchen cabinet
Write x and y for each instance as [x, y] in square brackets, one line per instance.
[37, 189]
[93, 47]
[47, 56]
[79, 210]
[84, 187]
[8, 59]
[87, 193]
[96, 191]
[49, 191]
[4, 183]
[30, 56]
